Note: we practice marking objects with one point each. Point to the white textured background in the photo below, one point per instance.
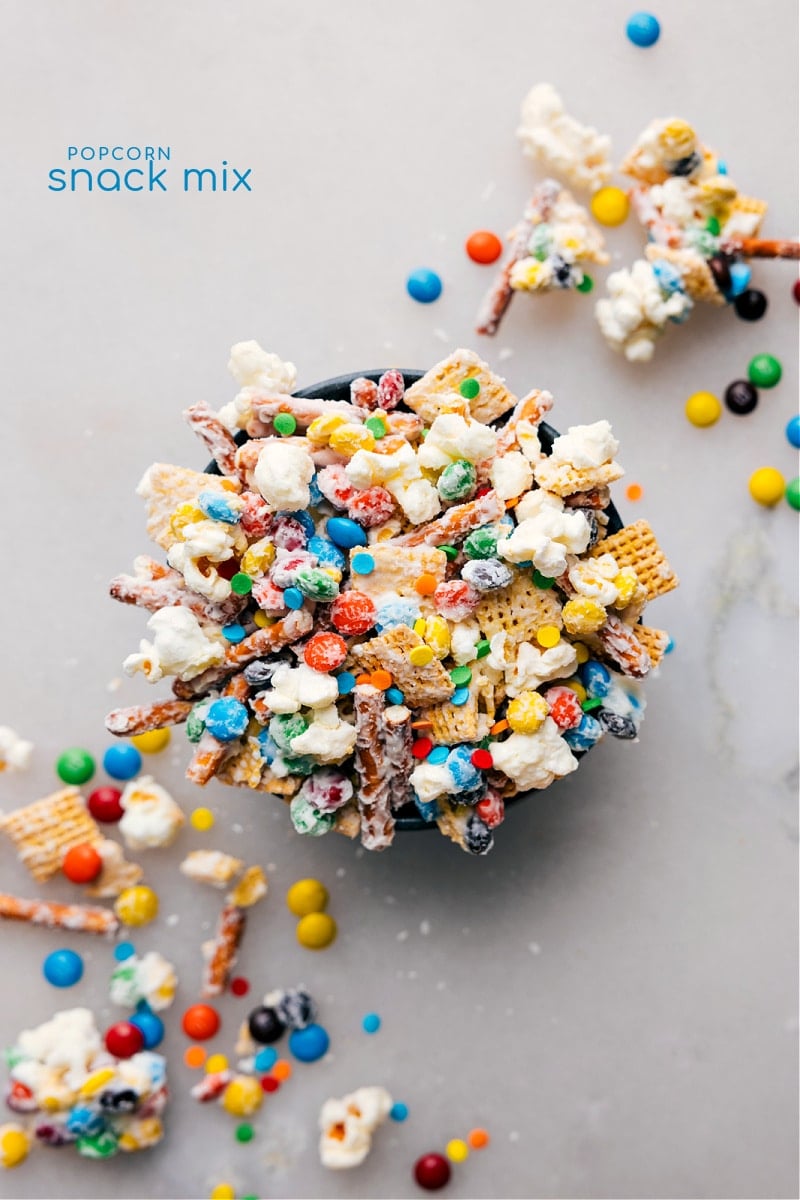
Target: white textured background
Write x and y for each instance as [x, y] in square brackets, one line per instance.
[613, 991]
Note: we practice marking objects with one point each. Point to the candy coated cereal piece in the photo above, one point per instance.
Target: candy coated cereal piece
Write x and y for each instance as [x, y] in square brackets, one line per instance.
[82, 863]
[793, 492]
[703, 409]
[481, 543]
[123, 1039]
[582, 615]
[309, 1044]
[610, 206]
[288, 533]
[14, 1145]
[137, 905]
[345, 533]
[353, 613]
[63, 968]
[483, 246]
[764, 370]
[150, 1026]
[316, 930]
[227, 719]
[335, 485]
[643, 29]
[200, 1022]
[432, 1172]
[391, 389]
[153, 741]
[325, 652]
[456, 599]
[75, 766]
[565, 707]
[243, 1096]
[766, 486]
[307, 896]
[424, 285]
[104, 805]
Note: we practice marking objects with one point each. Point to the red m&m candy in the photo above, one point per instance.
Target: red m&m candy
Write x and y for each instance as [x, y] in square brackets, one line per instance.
[124, 1039]
[104, 805]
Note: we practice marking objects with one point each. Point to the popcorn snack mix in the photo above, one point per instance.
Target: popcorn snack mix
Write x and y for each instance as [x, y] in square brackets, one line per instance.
[701, 231]
[74, 1090]
[395, 603]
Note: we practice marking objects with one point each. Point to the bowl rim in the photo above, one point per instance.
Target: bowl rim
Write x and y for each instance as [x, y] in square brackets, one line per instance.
[323, 390]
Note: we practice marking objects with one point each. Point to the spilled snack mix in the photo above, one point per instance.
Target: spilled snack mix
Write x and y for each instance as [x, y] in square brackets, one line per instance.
[412, 600]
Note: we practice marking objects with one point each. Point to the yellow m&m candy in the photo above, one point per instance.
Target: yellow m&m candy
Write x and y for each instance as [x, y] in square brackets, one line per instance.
[307, 896]
[137, 905]
[610, 206]
[703, 409]
[14, 1145]
[766, 486]
[152, 742]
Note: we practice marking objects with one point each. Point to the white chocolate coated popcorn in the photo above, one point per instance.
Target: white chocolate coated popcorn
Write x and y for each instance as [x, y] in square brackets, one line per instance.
[256, 371]
[549, 135]
[453, 437]
[15, 754]
[585, 445]
[400, 473]
[180, 647]
[534, 760]
[210, 866]
[511, 475]
[635, 312]
[347, 1126]
[211, 540]
[151, 818]
[300, 687]
[534, 666]
[150, 978]
[328, 738]
[546, 539]
[283, 473]
[66, 1044]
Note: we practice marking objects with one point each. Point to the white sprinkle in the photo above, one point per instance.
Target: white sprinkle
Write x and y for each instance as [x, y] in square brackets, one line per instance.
[340, 872]
[114, 685]
[534, 948]
[505, 354]
[441, 335]
[402, 935]
[424, 928]
[489, 190]
[513, 1136]
[237, 828]
[173, 919]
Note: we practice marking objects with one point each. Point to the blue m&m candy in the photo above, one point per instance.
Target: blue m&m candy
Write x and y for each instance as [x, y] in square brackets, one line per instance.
[150, 1026]
[227, 719]
[63, 968]
[310, 1043]
[424, 285]
[122, 761]
[643, 29]
[345, 533]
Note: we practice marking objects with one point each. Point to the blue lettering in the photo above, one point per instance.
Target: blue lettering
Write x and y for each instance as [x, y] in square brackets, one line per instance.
[241, 179]
[164, 152]
[129, 185]
[195, 171]
[115, 181]
[155, 178]
[75, 172]
[57, 176]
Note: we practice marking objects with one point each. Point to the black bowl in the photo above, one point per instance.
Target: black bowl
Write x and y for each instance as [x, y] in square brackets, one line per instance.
[338, 388]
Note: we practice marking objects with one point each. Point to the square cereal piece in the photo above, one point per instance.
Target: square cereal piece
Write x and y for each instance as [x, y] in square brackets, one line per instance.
[494, 398]
[518, 610]
[44, 831]
[655, 642]
[429, 684]
[454, 723]
[397, 569]
[636, 546]
[163, 487]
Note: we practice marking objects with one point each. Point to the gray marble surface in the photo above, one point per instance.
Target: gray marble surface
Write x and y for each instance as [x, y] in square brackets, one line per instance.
[613, 992]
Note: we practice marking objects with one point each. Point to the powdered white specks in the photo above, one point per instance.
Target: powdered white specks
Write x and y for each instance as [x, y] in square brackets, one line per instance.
[534, 948]
[424, 928]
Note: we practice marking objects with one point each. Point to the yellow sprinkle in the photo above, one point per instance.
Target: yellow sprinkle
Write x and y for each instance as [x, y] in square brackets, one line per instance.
[215, 1063]
[260, 619]
[420, 626]
[420, 656]
[223, 1191]
[548, 636]
[457, 1150]
[152, 742]
[581, 652]
[202, 819]
[577, 687]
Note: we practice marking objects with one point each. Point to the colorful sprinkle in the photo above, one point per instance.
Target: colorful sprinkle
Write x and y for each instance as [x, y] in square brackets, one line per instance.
[438, 755]
[194, 1057]
[469, 388]
[202, 819]
[457, 1150]
[398, 1111]
[478, 1138]
[460, 696]
[371, 1023]
[270, 1084]
[634, 491]
[548, 636]
[124, 950]
[282, 1070]
[461, 675]
[265, 1059]
[610, 206]
[245, 1133]
[234, 633]
[420, 656]
[363, 564]
[216, 1063]
[285, 424]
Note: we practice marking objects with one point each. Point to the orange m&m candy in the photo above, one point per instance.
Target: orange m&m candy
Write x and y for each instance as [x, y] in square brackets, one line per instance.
[483, 246]
[82, 863]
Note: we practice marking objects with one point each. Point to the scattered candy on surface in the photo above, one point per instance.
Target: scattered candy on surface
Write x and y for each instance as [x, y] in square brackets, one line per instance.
[643, 29]
[478, 1139]
[610, 206]
[201, 1022]
[371, 1023]
[243, 1096]
[122, 761]
[124, 1039]
[265, 1025]
[309, 1044]
[793, 492]
[484, 247]
[104, 805]
[202, 819]
[307, 896]
[194, 1057]
[764, 370]
[63, 968]
[740, 397]
[793, 432]
[239, 986]
[457, 1150]
[14, 1145]
[150, 1026]
[432, 1172]
[703, 409]
[767, 486]
[75, 766]
[398, 1111]
[424, 285]
[137, 905]
[316, 930]
[82, 863]
[750, 304]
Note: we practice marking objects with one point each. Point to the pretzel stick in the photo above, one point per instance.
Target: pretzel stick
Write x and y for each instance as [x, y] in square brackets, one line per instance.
[623, 648]
[258, 645]
[763, 247]
[154, 586]
[219, 442]
[498, 298]
[223, 950]
[397, 738]
[140, 718]
[530, 408]
[304, 409]
[77, 918]
[206, 759]
[456, 523]
[374, 794]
